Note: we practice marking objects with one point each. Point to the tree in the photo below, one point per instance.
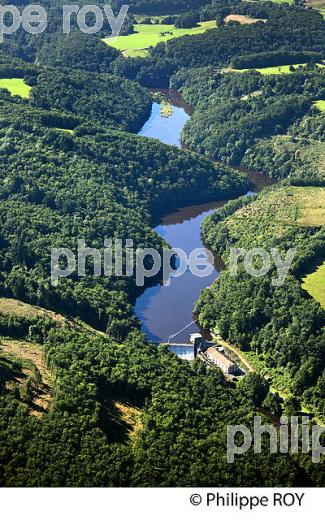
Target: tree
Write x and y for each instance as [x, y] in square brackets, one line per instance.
[255, 387]
[274, 403]
[187, 20]
[291, 406]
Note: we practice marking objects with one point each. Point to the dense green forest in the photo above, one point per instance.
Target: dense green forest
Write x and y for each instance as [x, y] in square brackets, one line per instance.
[121, 411]
[106, 99]
[73, 185]
[291, 32]
[78, 51]
[158, 7]
[266, 123]
[181, 437]
[287, 30]
[282, 325]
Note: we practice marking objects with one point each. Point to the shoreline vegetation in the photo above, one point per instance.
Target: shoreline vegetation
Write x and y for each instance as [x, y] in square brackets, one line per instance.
[166, 109]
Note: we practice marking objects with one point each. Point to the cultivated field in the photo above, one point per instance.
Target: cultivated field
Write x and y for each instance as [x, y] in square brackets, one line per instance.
[16, 87]
[147, 35]
[311, 206]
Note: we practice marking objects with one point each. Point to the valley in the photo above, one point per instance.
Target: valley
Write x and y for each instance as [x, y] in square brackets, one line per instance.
[154, 140]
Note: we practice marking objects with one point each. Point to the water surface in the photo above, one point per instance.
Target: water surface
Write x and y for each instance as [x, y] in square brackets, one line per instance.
[166, 310]
[166, 129]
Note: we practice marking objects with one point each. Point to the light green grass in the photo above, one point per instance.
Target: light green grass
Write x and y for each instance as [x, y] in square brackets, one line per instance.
[321, 105]
[146, 36]
[65, 130]
[314, 284]
[283, 69]
[136, 53]
[274, 213]
[290, 2]
[16, 87]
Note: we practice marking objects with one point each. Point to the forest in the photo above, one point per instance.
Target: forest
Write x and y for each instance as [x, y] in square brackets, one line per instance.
[57, 176]
[282, 325]
[158, 7]
[121, 410]
[268, 119]
[216, 47]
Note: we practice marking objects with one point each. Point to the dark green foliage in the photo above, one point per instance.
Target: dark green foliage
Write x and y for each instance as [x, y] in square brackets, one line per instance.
[273, 402]
[237, 124]
[283, 325]
[102, 182]
[219, 46]
[185, 413]
[149, 72]
[298, 156]
[254, 387]
[187, 20]
[274, 59]
[12, 66]
[156, 7]
[237, 116]
[78, 51]
[106, 99]
[72, 186]
[292, 406]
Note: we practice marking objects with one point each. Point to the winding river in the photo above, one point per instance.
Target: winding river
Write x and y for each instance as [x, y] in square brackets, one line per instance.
[166, 310]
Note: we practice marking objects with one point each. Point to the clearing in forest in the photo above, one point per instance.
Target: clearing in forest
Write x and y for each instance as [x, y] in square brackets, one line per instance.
[274, 212]
[243, 20]
[314, 284]
[16, 87]
[22, 364]
[149, 35]
[320, 105]
[282, 69]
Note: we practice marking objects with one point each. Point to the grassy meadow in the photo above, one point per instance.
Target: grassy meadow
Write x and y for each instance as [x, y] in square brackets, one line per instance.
[16, 87]
[314, 284]
[267, 71]
[320, 105]
[276, 211]
[147, 35]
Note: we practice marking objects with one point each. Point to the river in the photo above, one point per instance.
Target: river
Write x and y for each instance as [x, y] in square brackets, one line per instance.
[165, 310]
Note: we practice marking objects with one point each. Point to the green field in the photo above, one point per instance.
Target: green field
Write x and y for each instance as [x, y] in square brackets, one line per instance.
[283, 69]
[145, 36]
[274, 213]
[321, 105]
[290, 2]
[314, 284]
[16, 87]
